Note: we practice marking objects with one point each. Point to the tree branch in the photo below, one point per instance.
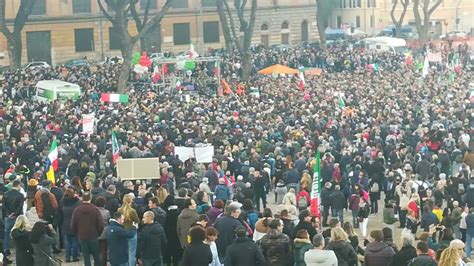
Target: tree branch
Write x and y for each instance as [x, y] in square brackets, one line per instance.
[136, 18]
[232, 26]
[3, 27]
[433, 8]
[392, 13]
[104, 11]
[154, 21]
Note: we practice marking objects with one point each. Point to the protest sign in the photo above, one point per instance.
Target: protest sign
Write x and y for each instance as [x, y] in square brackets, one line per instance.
[201, 154]
[88, 121]
[136, 169]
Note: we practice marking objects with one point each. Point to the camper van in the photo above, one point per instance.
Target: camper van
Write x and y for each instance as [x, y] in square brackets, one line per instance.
[384, 43]
[50, 90]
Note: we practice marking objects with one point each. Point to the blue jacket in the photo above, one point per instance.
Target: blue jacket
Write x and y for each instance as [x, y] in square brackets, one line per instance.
[470, 224]
[428, 219]
[117, 239]
[222, 192]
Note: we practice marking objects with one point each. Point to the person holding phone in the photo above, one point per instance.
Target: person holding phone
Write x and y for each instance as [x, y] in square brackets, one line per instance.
[117, 239]
[43, 237]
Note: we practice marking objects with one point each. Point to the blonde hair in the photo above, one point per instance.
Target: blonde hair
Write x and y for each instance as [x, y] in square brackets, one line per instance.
[161, 195]
[126, 207]
[22, 223]
[338, 234]
[449, 257]
[349, 229]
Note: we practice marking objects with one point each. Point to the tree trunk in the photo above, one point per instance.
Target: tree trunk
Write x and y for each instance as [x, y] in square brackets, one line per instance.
[14, 50]
[144, 45]
[322, 32]
[127, 50]
[398, 28]
[246, 66]
[225, 26]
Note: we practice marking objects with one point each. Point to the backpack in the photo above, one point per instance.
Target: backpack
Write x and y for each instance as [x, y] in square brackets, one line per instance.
[48, 211]
[302, 203]
[375, 187]
[355, 200]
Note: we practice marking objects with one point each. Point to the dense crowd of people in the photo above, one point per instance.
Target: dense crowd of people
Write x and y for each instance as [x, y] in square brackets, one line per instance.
[401, 139]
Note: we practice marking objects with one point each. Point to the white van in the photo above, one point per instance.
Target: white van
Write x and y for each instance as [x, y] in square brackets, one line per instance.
[384, 43]
[50, 90]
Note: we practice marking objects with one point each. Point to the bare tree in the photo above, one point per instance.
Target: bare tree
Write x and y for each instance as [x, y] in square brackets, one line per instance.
[399, 22]
[14, 36]
[324, 10]
[422, 20]
[119, 19]
[246, 23]
[225, 25]
[140, 23]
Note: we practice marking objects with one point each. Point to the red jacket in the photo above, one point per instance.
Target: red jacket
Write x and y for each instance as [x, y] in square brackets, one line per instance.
[87, 222]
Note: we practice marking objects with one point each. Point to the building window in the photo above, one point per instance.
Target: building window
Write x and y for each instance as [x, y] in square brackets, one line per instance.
[181, 33]
[285, 38]
[372, 21]
[371, 3]
[39, 8]
[304, 31]
[357, 21]
[264, 27]
[150, 3]
[339, 22]
[179, 4]
[358, 3]
[81, 6]
[208, 3]
[84, 40]
[210, 31]
[285, 25]
[114, 39]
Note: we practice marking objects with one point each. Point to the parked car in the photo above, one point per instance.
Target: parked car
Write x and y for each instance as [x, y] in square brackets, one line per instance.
[76, 63]
[35, 65]
[455, 35]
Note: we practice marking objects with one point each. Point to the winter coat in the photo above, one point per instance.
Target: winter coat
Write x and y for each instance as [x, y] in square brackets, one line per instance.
[197, 254]
[87, 222]
[23, 247]
[185, 220]
[317, 257]
[423, 260]
[43, 249]
[150, 241]
[325, 197]
[67, 209]
[470, 224]
[39, 204]
[300, 248]
[243, 252]
[345, 253]
[226, 226]
[378, 253]
[212, 214]
[276, 248]
[308, 226]
[117, 240]
[338, 201]
[222, 192]
[173, 248]
[389, 216]
[403, 257]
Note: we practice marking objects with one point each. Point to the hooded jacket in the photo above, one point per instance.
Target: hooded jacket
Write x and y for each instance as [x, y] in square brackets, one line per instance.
[345, 253]
[87, 222]
[243, 251]
[185, 220]
[150, 241]
[300, 248]
[378, 253]
[317, 257]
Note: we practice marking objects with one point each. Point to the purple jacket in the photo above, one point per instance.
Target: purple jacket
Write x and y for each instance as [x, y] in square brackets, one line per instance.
[212, 214]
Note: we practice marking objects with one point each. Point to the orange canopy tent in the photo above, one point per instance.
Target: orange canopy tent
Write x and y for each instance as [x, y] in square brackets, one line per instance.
[278, 69]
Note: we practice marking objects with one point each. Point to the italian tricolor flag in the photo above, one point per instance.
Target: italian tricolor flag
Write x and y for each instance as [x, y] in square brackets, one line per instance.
[115, 148]
[52, 164]
[114, 97]
[316, 187]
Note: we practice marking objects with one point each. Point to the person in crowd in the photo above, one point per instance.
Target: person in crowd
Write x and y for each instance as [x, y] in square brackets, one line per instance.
[117, 239]
[159, 213]
[186, 218]
[305, 223]
[261, 226]
[46, 203]
[260, 189]
[428, 219]
[388, 238]
[276, 246]
[363, 217]
[339, 243]
[151, 240]
[338, 203]
[301, 245]
[113, 202]
[215, 211]
[406, 253]
[197, 253]
[42, 239]
[318, 255]
[252, 214]
[377, 252]
[20, 234]
[351, 235]
[226, 225]
[243, 251]
[68, 204]
[326, 202]
[211, 236]
[423, 258]
[87, 225]
[469, 231]
[389, 216]
[100, 204]
[13, 202]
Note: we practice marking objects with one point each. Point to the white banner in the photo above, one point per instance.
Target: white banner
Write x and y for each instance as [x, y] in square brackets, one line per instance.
[434, 57]
[88, 121]
[201, 154]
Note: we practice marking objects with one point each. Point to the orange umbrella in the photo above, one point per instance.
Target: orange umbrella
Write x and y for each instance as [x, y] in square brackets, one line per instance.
[278, 69]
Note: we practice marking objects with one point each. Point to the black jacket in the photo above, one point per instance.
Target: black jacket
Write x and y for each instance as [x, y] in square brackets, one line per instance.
[23, 248]
[423, 260]
[197, 254]
[305, 225]
[403, 257]
[243, 252]
[338, 201]
[13, 203]
[150, 240]
[325, 197]
[117, 239]
[226, 226]
[276, 248]
[345, 253]
[67, 209]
